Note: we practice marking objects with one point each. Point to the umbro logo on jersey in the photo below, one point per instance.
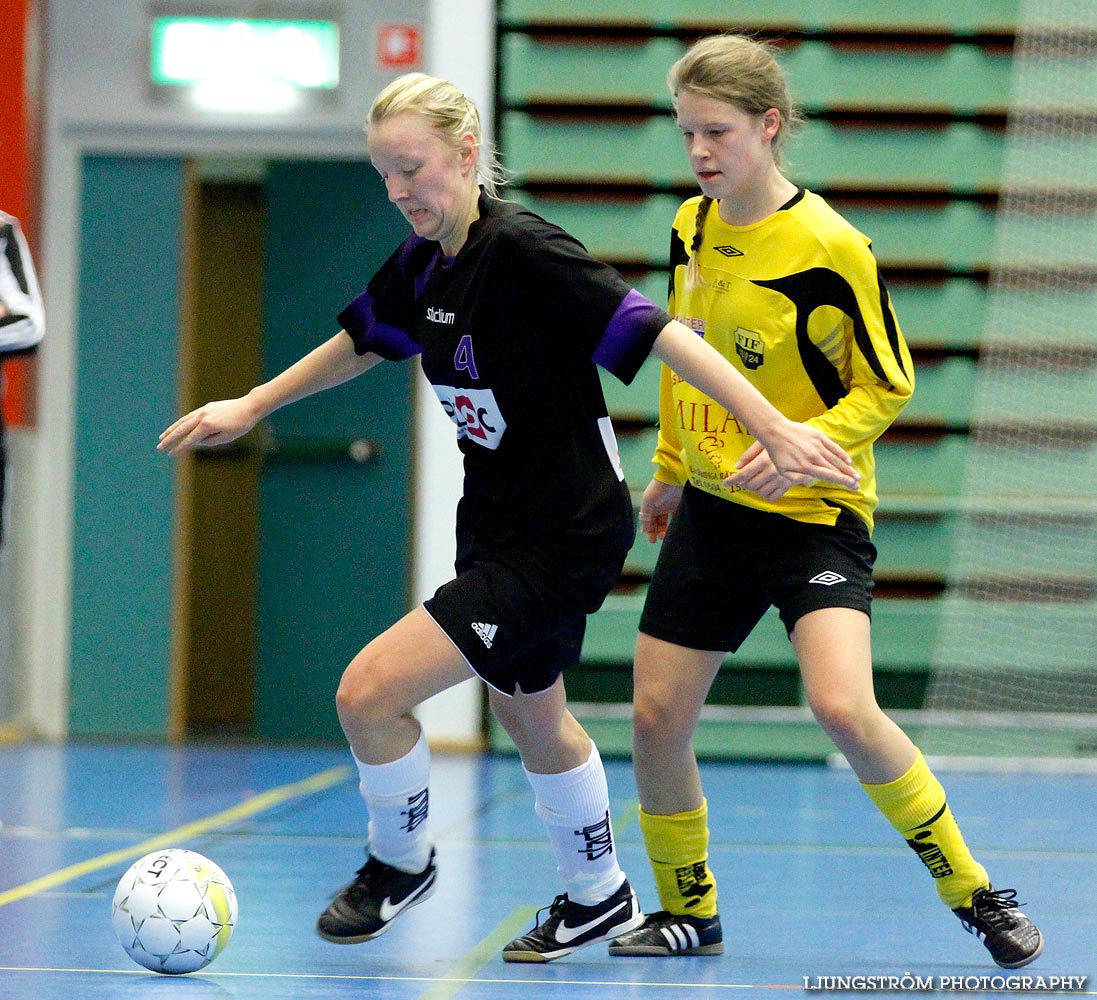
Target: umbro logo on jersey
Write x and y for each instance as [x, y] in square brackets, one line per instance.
[485, 632]
[728, 251]
[828, 578]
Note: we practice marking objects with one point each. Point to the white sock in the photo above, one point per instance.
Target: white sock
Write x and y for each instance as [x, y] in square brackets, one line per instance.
[574, 806]
[397, 798]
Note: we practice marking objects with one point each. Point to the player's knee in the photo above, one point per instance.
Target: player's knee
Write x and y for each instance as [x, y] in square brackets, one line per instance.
[526, 724]
[656, 717]
[365, 692]
[843, 719]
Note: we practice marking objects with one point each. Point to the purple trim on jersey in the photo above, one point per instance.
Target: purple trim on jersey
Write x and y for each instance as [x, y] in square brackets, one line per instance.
[404, 251]
[627, 340]
[404, 254]
[423, 276]
[368, 334]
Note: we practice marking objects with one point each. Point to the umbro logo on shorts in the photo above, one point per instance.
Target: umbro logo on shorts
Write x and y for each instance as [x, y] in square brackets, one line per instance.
[485, 632]
[828, 578]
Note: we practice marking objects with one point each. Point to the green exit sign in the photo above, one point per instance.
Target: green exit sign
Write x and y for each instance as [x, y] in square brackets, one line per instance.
[236, 55]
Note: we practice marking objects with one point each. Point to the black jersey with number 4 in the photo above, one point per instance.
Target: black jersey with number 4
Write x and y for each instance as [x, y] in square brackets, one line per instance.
[510, 331]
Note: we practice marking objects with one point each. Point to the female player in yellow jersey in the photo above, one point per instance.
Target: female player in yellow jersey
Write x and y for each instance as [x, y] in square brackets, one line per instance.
[790, 292]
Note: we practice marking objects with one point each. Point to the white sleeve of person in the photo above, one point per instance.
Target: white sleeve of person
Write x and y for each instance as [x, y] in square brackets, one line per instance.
[22, 316]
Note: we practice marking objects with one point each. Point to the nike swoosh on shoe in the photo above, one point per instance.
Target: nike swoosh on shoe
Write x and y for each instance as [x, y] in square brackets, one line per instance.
[566, 934]
[388, 909]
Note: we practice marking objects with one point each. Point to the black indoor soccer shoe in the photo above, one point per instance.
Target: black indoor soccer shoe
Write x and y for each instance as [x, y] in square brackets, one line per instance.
[377, 896]
[666, 933]
[994, 915]
[570, 926]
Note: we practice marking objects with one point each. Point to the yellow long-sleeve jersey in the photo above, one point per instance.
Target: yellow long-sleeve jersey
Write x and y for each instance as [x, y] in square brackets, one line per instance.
[797, 303]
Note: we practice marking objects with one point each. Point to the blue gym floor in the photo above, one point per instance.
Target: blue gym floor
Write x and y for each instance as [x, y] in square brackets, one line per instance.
[813, 883]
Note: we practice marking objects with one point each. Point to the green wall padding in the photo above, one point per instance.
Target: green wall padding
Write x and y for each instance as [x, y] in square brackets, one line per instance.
[335, 556]
[125, 394]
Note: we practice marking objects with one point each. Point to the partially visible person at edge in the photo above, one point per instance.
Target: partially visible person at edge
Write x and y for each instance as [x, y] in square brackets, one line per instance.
[22, 316]
[510, 315]
[779, 283]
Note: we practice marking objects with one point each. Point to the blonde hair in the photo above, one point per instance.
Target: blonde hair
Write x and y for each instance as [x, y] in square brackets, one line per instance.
[742, 72]
[445, 108]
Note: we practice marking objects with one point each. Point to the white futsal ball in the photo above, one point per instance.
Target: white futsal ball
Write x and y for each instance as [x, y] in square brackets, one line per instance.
[174, 911]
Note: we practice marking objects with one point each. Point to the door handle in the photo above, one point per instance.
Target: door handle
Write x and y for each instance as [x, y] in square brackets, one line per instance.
[296, 448]
[267, 446]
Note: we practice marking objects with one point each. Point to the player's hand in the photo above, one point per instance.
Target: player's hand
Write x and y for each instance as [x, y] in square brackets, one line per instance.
[213, 424]
[659, 502]
[803, 454]
[758, 474]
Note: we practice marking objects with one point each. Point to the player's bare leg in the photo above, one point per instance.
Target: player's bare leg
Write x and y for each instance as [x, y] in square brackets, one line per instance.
[402, 667]
[671, 684]
[834, 648]
[572, 800]
[548, 737]
[835, 660]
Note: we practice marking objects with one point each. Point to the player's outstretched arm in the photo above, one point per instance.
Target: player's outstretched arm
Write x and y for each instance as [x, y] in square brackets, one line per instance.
[799, 452]
[220, 422]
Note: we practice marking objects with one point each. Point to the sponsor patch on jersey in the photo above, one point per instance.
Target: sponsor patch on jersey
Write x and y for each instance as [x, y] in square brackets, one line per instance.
[695, 324]
[475, 412]
[609, 439]
[436, 315]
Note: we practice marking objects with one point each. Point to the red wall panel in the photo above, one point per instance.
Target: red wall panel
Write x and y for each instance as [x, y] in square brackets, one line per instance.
[19, 175]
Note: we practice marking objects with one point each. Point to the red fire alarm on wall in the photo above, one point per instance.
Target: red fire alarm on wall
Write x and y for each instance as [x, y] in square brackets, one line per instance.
[399, 46]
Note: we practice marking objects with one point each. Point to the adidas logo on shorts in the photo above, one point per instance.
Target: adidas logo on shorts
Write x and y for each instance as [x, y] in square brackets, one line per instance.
[485, 632]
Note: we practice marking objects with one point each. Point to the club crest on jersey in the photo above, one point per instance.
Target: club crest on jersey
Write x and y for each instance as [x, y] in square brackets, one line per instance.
[750, 348]
[475, 412]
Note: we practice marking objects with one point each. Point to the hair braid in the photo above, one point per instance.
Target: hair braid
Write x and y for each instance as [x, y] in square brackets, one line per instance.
[693, 272]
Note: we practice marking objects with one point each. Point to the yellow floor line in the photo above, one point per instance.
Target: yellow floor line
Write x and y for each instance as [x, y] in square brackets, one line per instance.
[464, 970]
[11, 734]
[172, 838]
[628, 814]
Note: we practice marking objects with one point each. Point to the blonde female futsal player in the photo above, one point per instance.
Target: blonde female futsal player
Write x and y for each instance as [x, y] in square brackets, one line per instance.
[774, 279]
[509, 315]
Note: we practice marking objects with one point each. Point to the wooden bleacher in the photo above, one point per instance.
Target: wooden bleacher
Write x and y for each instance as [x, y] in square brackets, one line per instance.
[905, 134]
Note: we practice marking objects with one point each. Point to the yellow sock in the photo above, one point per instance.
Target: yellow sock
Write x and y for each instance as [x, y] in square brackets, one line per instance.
[915, 805]
[677, 847]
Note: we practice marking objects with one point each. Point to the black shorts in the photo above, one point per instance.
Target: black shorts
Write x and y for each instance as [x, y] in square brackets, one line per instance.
[518, 614]
[723, 564]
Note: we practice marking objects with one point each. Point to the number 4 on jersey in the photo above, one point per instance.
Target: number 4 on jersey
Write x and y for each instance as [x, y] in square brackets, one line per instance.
[463, 359]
